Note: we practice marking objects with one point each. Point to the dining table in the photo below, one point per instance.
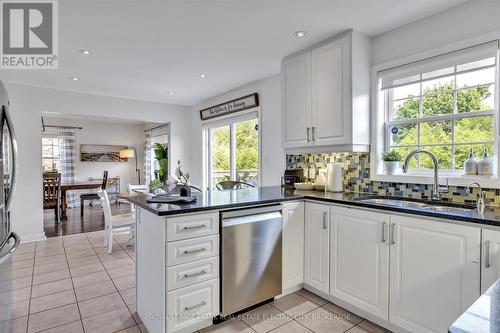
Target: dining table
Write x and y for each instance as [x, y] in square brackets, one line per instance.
[73, 186]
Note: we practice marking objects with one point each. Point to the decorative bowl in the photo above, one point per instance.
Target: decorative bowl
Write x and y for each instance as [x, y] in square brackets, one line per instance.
[304, 186]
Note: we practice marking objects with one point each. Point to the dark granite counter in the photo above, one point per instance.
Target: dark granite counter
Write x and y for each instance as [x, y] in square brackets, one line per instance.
[220, 200]
[483, 316]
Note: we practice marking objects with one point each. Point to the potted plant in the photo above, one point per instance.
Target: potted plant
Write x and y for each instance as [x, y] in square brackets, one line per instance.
[181, 178]
[162, 157]
[392, 160]
[154, 184]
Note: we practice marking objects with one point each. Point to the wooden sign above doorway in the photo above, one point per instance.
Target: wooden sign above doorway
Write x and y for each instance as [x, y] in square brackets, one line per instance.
[232, 106]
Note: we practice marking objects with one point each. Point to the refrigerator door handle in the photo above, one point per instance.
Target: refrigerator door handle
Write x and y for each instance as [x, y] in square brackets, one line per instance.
[17, 240]
[13, 142]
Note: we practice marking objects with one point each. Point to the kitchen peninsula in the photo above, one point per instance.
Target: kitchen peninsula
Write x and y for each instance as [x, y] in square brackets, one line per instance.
[178, 255]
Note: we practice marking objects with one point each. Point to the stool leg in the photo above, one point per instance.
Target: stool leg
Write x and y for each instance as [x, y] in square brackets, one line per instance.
[82, 204]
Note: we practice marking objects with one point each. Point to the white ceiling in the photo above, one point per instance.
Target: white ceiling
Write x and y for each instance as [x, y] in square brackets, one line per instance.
[142, 49]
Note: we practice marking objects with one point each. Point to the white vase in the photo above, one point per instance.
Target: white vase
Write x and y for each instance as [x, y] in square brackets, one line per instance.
[391, 167]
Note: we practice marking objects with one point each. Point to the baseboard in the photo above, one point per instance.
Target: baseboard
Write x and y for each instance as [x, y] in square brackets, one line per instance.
[356, 310]
[32, 238]
[291, 290]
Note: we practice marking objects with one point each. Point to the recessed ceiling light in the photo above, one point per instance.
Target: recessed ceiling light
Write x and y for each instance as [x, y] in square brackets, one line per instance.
[75, 78]
[170, 92]
[202, 76]
[300, 34]
[85, 52]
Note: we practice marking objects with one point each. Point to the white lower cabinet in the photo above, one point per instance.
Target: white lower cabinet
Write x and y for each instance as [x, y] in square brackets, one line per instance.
[189, 306]
[293, 245]
[490, 265]
[359, 252]
[434, 273]
[317, 246]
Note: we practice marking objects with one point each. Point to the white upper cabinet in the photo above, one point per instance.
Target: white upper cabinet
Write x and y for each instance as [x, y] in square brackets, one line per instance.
[296, 93]
[330, 93]
[434, 273]
[490, 264]
[326, 95]
[359, 259]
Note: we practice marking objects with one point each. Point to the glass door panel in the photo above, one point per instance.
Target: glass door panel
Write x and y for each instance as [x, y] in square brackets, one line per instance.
[247, 151]
[220, 148]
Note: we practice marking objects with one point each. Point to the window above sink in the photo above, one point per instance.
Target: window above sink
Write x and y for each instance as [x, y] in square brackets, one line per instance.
[447, 104]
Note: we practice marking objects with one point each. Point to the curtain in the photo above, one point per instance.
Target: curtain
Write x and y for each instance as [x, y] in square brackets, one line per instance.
[147, 158]
[67, 153]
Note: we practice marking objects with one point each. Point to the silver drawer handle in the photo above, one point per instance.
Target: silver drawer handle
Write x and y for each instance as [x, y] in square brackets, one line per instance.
[195, 226]
[188, 275]
[393, 226]
[195, 250]
[325, 226]
[383, 232]
[487, 254]
[188, 308]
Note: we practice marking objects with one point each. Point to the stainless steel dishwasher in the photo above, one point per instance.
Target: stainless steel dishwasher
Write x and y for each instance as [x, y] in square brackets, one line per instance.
[251, 257]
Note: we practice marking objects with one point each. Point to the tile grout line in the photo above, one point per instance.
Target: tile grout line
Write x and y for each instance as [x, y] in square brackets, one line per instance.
[72, 284]
[31, 290]
[126, 306]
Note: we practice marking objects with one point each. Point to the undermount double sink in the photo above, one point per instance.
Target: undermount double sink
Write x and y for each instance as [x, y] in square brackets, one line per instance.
[416, 205]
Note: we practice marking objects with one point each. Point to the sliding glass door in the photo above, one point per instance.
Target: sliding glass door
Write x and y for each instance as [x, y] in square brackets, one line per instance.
[233, 151]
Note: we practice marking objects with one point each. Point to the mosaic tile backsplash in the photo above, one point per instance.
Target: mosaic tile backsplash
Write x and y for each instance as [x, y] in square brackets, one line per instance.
[356, 168]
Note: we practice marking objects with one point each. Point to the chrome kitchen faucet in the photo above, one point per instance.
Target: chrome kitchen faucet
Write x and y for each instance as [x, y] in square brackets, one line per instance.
[436, 189]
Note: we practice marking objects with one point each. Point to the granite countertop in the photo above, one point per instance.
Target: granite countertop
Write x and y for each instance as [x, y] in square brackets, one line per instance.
[219, 200]
[482, 316]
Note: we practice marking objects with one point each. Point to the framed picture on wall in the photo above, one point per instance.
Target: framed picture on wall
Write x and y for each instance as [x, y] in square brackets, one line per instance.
[101, 153]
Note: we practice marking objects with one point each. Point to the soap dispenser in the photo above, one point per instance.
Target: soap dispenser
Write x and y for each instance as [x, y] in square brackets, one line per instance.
[485, 165]
[470, 164]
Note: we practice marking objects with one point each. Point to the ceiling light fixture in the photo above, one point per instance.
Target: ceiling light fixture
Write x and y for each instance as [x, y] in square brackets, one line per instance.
[202, 76]
[300, 34]
[170, 92]
[85, 52]
[75, 78]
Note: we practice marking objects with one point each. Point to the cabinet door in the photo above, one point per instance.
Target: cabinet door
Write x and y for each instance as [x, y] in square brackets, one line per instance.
[490, 264]
[434, 273]
[331, 112]
[293, 244]
[296, 100]
[317, 247]
[359, 259]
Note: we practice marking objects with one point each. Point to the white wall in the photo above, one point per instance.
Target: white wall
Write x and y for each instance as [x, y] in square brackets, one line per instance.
[27, 104]
[465, 21]
[273, 157]
[106, 132]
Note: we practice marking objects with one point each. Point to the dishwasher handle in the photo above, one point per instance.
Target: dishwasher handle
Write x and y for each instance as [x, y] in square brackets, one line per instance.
[229, 222]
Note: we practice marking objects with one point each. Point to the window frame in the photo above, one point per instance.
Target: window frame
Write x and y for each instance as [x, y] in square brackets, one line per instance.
[52, 158]
[229, 120]
[380, 119]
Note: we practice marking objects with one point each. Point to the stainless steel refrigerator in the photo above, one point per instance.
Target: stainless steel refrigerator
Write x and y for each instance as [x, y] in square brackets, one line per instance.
[9, 240]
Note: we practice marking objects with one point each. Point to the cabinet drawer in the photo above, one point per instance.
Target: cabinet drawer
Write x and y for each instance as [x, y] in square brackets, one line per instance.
[194, 272]
[198, 225]
[189, 250]
[192, 305]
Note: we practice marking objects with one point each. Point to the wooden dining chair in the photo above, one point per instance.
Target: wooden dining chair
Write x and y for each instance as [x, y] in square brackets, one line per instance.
[52, 193]
[92, 196]
[114, 221]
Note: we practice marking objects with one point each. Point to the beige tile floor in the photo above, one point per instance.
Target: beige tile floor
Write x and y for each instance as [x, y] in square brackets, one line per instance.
[70, 284]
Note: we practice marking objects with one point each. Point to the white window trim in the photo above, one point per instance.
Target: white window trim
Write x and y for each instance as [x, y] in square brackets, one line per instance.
[378, 116]
[226, 120]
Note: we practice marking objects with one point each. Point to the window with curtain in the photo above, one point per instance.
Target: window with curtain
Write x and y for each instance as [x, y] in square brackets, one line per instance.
[233, 150]
[51, 158]
[446, 104]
